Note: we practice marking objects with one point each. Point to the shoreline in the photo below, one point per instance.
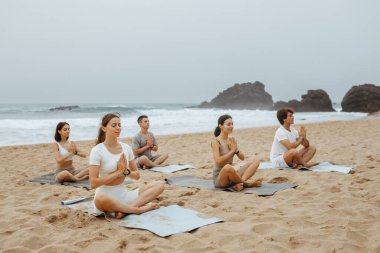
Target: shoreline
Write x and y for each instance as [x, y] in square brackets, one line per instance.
[327, 211]
[375, 115]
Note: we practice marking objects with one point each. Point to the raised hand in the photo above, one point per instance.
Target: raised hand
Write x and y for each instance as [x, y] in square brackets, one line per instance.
[122, 164]
[232, 144]
[302, 132]
[72, 148]
[149, 141]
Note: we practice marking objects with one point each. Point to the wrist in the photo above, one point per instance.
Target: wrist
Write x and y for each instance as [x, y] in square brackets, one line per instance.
[127, 173]
[237, 151]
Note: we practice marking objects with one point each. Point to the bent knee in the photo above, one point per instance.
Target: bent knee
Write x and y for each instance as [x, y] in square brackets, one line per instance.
[100, 200]
[228, 168]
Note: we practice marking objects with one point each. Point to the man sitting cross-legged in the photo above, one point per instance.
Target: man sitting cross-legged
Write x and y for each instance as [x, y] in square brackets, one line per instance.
[143, 143]
[284, 152]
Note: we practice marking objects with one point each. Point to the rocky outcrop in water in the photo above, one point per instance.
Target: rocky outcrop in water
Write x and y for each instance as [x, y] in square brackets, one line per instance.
[242, 96]
[313, 101]
[64, 108]
[362, 98]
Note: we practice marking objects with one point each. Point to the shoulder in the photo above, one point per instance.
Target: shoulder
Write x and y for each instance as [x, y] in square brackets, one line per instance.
[151, 133]
[55, 145]
[280, 130]
[137, 136]
[124, 146]
[215, 141]
[98, 147]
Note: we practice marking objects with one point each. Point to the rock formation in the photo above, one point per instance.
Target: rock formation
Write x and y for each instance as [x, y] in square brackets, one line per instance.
[362, 98]
[242, 96]
[313, 101]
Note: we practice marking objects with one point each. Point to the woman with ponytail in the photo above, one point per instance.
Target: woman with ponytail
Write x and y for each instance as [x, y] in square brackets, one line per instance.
[224, 148]
[111, 162]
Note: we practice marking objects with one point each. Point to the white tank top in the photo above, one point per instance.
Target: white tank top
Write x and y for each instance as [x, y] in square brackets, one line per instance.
[62, 151]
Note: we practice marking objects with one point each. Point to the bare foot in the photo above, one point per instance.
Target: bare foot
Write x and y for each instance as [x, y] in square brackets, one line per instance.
[311, 165]
[238, 187]
[256, 183]
[119, 215]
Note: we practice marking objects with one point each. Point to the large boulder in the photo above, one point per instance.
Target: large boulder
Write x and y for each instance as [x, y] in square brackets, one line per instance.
[362, 98]
[242, 96]
[313, 101]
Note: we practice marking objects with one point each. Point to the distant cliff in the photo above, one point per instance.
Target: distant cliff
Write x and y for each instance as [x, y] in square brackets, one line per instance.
[242, 96]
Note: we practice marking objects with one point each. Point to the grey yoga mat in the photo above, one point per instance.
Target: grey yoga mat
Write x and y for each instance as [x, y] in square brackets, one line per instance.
[267, 189]
[50, 179]
[163, 222]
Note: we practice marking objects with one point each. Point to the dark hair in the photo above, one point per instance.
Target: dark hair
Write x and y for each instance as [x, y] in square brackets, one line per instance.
[140, 118]
[105, 120]
[221, 122]
[60, 125]
[282, 114]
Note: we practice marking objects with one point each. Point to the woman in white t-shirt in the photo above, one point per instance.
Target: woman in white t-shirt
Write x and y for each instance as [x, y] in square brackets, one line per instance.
[110, 163]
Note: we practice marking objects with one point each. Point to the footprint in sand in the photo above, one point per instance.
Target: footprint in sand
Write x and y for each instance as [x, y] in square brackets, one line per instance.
[278, 180]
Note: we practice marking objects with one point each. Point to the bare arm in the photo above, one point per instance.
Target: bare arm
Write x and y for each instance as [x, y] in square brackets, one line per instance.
[220, 160]
[289, 145]
[79, 152]
[140, 150]
[134, 171]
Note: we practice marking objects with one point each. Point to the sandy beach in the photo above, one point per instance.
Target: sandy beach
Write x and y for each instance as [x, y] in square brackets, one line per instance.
[327, 212]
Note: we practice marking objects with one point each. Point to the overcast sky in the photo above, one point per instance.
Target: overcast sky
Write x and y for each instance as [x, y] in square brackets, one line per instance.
[184, 51]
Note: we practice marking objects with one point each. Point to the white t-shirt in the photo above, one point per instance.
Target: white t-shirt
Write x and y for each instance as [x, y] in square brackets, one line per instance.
[282, 134]
[106, 160]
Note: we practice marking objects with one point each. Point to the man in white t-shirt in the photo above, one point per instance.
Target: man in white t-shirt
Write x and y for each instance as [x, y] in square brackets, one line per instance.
[287, 139]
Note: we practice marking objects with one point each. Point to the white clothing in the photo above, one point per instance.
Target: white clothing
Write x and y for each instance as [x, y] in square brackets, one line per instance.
[62, 151]
[107, 163]
[279, 162]
[106, 160]
[278, 150]
[118, 192]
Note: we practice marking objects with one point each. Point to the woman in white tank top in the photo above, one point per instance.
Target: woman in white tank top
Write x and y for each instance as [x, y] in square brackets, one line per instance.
[111, 162]
[64, 151]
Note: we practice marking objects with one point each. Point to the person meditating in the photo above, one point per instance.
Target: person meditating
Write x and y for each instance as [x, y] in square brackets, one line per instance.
[111, 162]
[143, 143]
[284, 152]
[224, 148]
[64, 151]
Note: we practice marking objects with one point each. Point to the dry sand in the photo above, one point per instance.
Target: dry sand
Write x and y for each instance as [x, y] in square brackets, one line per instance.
[328, 212]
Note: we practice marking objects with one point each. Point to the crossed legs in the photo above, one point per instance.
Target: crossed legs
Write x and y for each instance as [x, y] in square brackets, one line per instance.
[146, 194]
[229, 176]
[302, 157]
[66, 176]
[159, 162]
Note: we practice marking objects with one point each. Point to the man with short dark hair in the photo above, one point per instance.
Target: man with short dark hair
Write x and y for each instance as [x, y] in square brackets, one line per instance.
[143, 143]
[287, 139]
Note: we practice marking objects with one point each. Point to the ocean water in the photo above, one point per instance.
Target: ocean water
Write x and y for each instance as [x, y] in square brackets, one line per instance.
[35, 123]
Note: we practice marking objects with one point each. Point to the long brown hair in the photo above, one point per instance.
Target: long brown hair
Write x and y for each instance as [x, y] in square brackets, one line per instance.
[105, 120]
[60, 125]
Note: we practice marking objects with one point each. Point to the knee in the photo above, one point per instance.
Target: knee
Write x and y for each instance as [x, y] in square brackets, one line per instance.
[293, 152]
[160, 187]
[228, 169]
[166, 156]
[100, 200]
[313, 148]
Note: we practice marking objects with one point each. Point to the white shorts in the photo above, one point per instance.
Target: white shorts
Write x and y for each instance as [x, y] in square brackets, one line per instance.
[280, 162]
[117, 192]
